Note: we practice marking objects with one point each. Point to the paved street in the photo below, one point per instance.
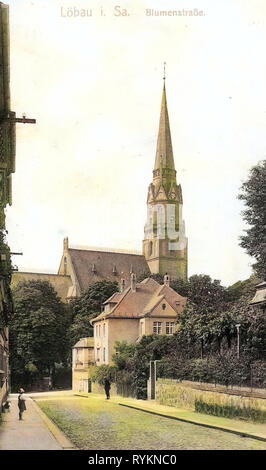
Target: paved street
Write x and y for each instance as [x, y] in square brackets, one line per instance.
[29, 434]
[92, 422]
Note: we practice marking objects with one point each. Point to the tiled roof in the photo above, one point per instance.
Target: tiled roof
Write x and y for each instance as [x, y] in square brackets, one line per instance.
[261, 285]
[260, 296]
[91, 266]
[60, 283]
[148, 294]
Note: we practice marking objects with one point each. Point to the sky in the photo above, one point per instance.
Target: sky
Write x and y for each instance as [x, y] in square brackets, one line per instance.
[94, 85]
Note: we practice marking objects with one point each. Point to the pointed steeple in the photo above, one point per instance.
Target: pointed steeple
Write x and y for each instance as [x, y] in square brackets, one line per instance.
[165, 242]
[164, 151]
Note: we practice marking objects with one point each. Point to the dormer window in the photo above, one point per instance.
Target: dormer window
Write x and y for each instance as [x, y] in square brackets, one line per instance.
[163, 306]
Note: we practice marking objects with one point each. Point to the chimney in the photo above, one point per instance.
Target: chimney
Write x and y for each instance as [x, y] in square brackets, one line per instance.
[166, 280]
[133, 282]
[122, 285]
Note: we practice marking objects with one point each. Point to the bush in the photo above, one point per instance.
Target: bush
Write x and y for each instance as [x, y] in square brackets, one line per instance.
[101, 373]
[258, 374]
[231, 410]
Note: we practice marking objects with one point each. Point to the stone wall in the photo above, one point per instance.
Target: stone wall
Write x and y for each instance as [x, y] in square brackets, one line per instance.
[184, 394]
[229, 389]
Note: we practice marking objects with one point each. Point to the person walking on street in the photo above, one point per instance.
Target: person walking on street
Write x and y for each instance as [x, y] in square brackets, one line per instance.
[107, 387]
[21, 403]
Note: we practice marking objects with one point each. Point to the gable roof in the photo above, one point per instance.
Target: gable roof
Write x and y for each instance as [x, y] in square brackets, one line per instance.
[260, 295]
[92, 266]
[148, 294]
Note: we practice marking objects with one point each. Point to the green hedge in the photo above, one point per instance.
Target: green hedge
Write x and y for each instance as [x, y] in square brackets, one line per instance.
[225, 370]
[230, 411]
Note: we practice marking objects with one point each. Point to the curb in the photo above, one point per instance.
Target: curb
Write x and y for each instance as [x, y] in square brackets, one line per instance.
[57, 433]
[219, 428]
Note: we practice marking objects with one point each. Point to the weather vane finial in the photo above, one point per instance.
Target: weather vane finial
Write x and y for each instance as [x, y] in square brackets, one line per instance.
[164, 77]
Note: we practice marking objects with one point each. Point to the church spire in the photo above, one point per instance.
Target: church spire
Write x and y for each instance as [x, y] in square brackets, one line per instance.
[164, 152]
[165, 242]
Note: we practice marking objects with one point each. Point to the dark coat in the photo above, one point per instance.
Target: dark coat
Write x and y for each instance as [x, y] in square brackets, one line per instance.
[21, 403]
[107, 386]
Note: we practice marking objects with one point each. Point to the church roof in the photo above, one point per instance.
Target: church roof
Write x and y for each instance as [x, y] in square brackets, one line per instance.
[164, 142]
[60, 283]
[136, 304]
[92, 266]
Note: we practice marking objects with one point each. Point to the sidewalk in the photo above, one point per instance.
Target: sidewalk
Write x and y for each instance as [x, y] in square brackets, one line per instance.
[243, 428]
[32, 433]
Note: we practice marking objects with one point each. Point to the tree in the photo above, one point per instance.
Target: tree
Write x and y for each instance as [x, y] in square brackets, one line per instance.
[38, 331]
[198, 328]
[6, 309]
[145, 274]
[102, 373]
[88, 306]
[253, 193]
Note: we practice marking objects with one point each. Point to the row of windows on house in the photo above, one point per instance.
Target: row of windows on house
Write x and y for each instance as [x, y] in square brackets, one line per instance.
[100, 330]
[158, 328]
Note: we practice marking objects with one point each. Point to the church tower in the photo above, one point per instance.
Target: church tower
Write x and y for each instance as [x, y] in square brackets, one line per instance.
[165, 243]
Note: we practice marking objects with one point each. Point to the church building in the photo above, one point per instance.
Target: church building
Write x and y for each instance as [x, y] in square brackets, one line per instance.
[164, 245]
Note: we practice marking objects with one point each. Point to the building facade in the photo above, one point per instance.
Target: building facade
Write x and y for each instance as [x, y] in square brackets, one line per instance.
[7, 167]
[82, 359]
[143, 308]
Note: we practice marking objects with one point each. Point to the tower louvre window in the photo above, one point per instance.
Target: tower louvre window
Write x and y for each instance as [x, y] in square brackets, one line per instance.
[150, 248]
[65, 265]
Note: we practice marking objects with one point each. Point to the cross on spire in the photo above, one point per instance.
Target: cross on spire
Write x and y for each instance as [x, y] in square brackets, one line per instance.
[164, 77]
